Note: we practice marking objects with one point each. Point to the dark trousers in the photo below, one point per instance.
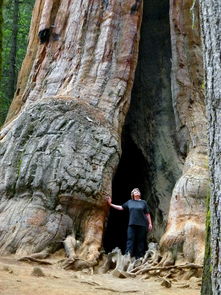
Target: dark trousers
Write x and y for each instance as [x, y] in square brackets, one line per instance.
[136, 240]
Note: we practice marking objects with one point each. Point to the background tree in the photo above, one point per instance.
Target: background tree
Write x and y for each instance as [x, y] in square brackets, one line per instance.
[1, 23]
[211, 33]
[12, 77]
[16, 23]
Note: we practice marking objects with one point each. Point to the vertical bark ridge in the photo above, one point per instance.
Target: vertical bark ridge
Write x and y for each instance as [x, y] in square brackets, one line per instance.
[211, 32]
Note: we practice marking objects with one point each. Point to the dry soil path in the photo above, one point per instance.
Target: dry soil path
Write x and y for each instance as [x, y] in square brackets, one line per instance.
[16, 278]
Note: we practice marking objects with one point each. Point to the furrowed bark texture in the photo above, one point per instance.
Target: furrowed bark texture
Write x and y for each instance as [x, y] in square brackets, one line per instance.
[62, 141]
[61, 144]
[211, 33]
[185, 233]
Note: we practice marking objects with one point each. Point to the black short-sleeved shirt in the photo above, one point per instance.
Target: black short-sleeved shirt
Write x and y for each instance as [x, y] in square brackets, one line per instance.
[137, 212]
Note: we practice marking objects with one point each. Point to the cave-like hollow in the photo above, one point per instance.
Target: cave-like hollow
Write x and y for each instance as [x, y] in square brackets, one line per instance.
[131, 173]
[149, 121]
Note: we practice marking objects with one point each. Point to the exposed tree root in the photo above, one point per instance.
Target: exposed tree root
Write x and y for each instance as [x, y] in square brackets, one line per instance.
[186, 266]
[124, 266]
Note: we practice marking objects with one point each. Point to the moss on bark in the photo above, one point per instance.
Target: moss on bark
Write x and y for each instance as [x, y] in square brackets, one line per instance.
[206, 280]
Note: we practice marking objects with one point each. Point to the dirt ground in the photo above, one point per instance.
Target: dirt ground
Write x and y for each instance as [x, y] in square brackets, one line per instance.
[22, 278]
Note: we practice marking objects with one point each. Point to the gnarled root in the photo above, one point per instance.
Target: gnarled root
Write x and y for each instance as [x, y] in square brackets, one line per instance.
[183, 241]
[55, 156]
[70, 245]
[85, 251]
[124, 266]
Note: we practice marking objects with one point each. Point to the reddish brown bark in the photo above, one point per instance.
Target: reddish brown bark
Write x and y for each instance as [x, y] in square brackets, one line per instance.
[62, 137]
[185, 233]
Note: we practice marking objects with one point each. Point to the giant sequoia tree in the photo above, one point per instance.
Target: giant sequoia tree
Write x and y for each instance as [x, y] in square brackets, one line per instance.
[61, 144]
[211, 32]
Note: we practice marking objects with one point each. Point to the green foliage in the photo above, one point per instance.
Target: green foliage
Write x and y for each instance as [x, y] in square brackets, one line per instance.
[1, 24]
[25, 11]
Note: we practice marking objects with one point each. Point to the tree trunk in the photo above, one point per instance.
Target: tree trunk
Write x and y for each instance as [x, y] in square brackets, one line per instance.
[13, 51]
[61, 144]
[211, 33]
[207, 280]
[185, 233]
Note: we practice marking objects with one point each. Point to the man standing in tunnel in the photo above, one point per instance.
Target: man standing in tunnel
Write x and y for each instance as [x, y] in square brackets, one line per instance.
[139, 222]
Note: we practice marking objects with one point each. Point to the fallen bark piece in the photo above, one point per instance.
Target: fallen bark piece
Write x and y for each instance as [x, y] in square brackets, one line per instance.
[117, 291]
[166, 283]
[37, 272]
[107, 289]
[8, 269]
[119, 274]
[32, 259]
[77, 264]
[91, 283]
[41, 255]
[183, 286]
[188, 274]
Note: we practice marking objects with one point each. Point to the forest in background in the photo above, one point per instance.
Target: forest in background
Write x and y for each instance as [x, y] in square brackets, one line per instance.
[15, 24]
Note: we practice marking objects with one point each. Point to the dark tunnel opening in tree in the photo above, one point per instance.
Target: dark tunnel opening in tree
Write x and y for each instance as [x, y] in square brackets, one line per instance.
[150, 109]
[131, 173]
